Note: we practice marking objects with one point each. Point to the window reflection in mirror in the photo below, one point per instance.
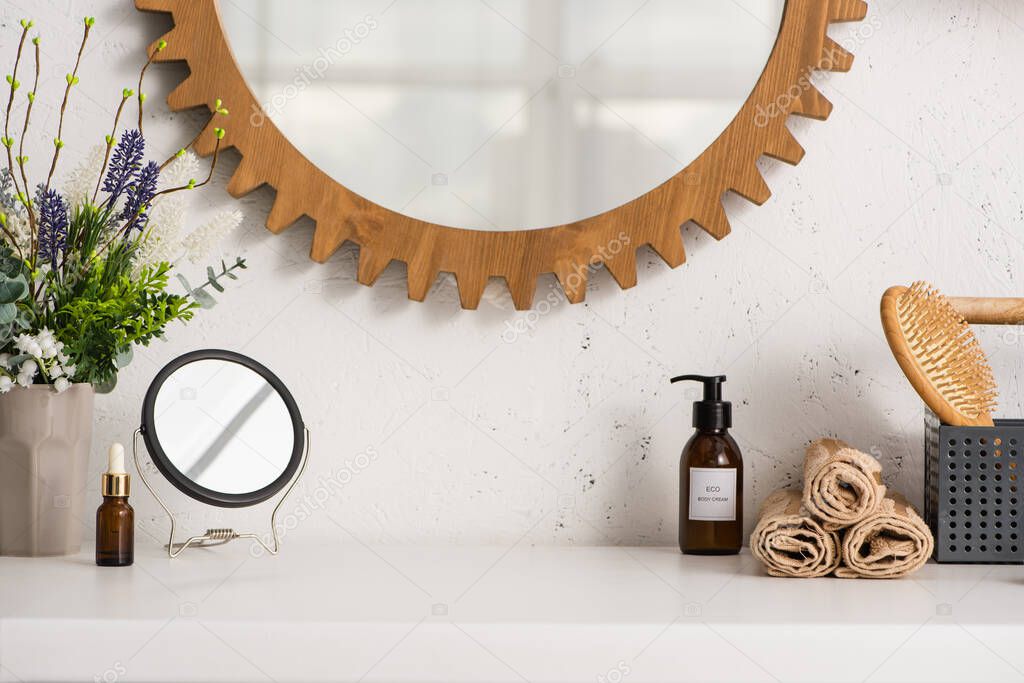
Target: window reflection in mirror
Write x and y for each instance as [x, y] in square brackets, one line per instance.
[223, 426]
[501, 114]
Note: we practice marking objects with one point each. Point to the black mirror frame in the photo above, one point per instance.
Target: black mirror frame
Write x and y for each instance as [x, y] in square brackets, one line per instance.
[178, 478]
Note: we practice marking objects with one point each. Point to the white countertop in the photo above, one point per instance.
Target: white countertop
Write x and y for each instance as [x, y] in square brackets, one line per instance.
[328, 610]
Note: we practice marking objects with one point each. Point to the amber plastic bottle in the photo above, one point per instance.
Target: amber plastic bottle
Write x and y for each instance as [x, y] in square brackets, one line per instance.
[115, 518]
[710, 477]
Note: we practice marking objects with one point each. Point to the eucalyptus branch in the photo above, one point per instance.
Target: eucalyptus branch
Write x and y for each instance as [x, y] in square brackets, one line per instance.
[72, 79]
[12, 80]
[199, 295]
[213, 278]
[125, 94]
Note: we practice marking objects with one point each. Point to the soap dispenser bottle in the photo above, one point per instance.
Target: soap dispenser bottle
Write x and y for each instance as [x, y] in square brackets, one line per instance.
[711, 477]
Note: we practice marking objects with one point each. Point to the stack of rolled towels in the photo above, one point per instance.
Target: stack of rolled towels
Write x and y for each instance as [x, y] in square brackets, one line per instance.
[843, 522]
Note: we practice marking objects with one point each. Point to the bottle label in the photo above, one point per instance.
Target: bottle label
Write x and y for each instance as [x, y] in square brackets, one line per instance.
[713, 494]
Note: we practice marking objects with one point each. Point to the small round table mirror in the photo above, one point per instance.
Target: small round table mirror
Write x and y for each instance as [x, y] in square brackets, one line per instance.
[224, 430]
[501, 115]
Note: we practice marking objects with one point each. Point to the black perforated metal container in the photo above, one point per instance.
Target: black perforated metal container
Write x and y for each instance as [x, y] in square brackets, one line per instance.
[973, 500]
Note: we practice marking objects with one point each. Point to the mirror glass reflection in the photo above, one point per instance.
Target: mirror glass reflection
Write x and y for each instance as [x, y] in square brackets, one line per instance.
[501, 114]
[223, 426]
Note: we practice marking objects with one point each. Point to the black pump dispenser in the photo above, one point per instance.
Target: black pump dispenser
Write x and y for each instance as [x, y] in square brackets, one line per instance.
[710, 477]
[711, 413]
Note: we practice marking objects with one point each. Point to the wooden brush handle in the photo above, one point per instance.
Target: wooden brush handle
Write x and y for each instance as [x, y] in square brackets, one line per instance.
[990, 311]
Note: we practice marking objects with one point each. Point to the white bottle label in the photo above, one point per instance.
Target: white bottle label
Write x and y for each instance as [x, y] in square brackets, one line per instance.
[713, 494]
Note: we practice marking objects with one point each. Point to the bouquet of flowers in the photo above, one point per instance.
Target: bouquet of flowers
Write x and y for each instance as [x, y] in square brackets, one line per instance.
[85, 270]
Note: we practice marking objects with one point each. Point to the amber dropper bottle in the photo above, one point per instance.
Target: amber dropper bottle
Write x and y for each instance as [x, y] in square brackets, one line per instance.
[115, 519]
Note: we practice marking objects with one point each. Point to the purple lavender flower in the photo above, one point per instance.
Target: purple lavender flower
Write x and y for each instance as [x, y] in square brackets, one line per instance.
[124, 164]
[53, 224]
[140, 194]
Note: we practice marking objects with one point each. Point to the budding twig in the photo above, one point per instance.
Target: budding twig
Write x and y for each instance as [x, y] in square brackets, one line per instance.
[8, 142]
[72, 79]
[142, 74]
[22, 159]
[190, 145]
[218, 108]
[192, 184]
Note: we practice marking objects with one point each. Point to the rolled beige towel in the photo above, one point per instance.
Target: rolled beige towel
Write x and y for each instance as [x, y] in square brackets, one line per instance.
[842, 485]
[789, 542]
[893, 542]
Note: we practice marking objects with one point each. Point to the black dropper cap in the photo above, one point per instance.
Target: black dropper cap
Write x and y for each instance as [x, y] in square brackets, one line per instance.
[712, 412]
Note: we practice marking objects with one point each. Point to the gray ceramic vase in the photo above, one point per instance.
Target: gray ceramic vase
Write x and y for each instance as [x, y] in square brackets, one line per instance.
[45, 439]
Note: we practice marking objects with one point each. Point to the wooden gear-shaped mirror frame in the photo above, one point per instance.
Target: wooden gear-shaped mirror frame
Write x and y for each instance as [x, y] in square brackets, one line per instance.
[519, 257]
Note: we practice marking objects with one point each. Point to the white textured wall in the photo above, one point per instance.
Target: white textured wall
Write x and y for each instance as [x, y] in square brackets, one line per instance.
[571, 433]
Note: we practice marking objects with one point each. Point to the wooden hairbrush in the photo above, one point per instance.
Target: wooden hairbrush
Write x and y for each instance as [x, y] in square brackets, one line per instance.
[930, 336]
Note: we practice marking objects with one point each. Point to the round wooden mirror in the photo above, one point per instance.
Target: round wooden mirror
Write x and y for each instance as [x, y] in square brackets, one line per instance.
[504, 138]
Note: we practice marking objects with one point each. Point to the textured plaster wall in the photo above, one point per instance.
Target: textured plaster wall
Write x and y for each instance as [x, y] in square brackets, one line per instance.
[569, 433]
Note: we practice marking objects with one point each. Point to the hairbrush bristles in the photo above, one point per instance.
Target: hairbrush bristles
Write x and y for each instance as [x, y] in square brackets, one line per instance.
[939, 354]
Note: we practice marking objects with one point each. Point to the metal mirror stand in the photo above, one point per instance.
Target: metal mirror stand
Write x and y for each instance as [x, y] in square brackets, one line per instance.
[214, 537]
